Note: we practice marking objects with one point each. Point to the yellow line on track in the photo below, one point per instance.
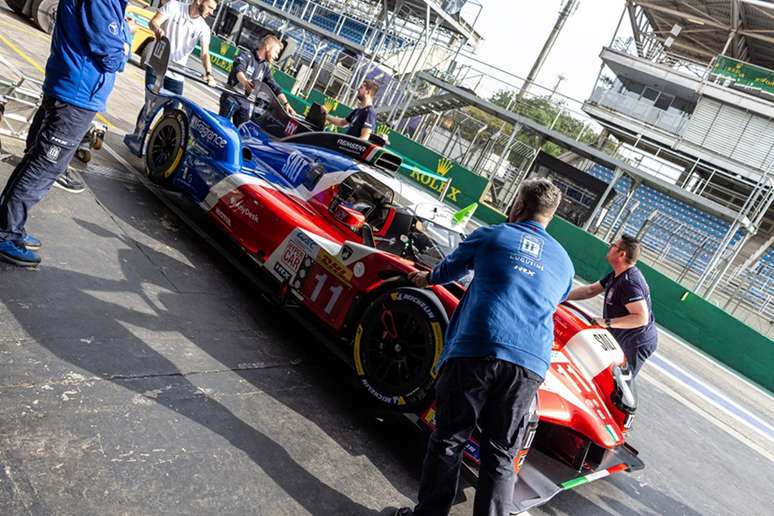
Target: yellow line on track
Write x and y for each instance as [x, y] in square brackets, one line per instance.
[39, 68]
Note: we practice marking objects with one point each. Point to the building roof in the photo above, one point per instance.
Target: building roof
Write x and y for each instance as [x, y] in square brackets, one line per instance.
[583, 150]
[708, 24]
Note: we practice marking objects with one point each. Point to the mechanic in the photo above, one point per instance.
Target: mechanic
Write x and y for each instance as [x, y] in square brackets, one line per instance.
[89, 46]
[70, 180]
[627, 310]
[184, 25]
[498, 349]
[362, 120]
[250, 68]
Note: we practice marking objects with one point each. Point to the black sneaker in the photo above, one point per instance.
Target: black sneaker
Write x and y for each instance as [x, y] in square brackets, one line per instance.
[70, 181]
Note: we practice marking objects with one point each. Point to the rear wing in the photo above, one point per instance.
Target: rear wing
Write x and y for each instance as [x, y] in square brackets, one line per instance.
[360, 150]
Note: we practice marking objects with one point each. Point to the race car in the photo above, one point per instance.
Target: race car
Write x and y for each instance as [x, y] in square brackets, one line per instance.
[315, 213]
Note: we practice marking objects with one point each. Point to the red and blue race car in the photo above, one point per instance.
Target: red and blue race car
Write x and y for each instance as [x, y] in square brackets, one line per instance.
[319, 216]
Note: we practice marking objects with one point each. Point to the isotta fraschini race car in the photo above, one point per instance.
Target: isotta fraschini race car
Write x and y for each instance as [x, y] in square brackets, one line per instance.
[318, 216]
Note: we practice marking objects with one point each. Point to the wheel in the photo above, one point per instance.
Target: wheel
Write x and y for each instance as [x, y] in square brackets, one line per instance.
[84, 155]
[44, 14]
[397, 345]
[16, 6]
[99, 139]
[166, 146]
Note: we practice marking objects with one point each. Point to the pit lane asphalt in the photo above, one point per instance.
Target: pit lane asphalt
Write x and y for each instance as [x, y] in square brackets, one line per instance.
[141, 374]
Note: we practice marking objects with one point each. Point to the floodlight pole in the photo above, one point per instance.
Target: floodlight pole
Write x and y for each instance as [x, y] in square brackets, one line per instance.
[565, 12]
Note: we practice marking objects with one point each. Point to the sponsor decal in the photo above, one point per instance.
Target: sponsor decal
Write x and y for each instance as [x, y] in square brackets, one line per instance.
[282, 271]
[158, 48]
[527, 261]
[60, 141]
[222, 216]
[334, 266]
[358, 270]
[532, 246]
[419, 302]
[353, 146]
[291, 127]
[295, 166]
[239, 205]
[205, 132]
[292, 257]
[303, 239]
[346, 252]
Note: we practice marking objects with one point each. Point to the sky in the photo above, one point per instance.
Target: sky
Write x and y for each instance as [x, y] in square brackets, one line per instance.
[514, 31]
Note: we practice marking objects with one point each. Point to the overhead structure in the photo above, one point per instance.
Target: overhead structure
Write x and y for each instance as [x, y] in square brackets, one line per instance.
[694, 85]
[742, 29]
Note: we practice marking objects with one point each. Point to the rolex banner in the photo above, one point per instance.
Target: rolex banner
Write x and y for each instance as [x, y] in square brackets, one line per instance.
[745, 74]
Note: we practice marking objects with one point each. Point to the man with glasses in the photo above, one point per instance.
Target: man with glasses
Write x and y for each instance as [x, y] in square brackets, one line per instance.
[627, 312]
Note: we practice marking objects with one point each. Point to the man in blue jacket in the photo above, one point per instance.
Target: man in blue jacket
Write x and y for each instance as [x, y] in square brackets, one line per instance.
[498, 349]
[88, 46]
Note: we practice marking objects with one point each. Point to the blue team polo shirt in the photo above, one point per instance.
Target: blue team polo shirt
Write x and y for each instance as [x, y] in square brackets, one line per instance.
[359, 119]
[521, 274]
[628, 287]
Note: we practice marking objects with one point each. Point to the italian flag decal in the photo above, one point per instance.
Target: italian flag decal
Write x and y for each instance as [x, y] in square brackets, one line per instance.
[575, 482]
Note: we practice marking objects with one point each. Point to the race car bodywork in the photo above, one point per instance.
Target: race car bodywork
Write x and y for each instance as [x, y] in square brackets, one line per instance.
[314, 212]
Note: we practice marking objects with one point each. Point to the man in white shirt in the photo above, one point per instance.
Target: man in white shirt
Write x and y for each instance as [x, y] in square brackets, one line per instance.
[184, 25]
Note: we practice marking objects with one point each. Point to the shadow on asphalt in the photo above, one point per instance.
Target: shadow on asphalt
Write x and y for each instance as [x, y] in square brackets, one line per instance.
[331, 379]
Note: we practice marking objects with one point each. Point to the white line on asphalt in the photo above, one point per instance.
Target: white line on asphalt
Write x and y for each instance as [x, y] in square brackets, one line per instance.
[118, 158]
[764, 427]
[708, 417]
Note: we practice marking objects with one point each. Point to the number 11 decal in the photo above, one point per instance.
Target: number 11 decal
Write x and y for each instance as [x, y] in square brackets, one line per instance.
[320, 280]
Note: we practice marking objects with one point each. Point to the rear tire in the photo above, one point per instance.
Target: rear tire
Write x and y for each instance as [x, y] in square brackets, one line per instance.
[166, 148]
[44, 14]
[397, 345]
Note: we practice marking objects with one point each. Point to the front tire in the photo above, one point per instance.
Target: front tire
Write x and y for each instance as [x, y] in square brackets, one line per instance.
[397, 345]
[166, 147]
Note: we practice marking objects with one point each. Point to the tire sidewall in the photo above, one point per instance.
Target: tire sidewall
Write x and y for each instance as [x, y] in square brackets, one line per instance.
[427, 303]
[166, 177]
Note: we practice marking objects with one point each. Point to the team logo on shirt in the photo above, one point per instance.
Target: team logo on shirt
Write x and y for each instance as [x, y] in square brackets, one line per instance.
[532, 246]
[113, 28]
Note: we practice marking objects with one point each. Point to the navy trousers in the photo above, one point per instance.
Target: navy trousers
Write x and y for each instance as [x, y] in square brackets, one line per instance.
[496, 395]
[55, 133]
[636, 357]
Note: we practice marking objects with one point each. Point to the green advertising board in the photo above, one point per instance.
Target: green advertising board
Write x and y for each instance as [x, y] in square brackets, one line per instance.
[222, 53]
[745, 73]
